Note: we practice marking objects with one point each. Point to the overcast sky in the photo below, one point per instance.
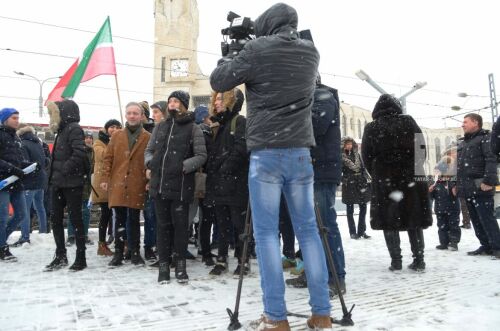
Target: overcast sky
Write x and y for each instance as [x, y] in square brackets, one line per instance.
[451, 45]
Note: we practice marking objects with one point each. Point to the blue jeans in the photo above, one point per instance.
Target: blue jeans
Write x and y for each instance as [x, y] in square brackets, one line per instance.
[483, 220]
[86, 220]
[273, 171]
[149, 223]
[324, 195]
[35, 198]
[18, 202]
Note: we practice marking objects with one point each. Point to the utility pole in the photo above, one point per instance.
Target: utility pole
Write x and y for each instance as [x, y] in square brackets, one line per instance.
[493, 99]
[40, 83]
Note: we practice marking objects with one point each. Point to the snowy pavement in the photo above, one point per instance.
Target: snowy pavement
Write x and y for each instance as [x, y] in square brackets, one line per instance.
[457, 292]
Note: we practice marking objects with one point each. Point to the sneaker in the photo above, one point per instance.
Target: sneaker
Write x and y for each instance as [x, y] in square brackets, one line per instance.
[354, 236]
[299, 282]
[365, 236]
[6, 255]
[299, 268]
[442, 246]
[265, 324]
[332, 289]
[59, 261]
[20, 242]
[70, 242]
[480, 251]
[246, 270]
[453, 247]
[219, 269]
[288, 263]
[319, 323]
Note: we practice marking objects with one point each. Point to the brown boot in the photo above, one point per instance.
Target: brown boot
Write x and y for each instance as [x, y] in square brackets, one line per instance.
[319, 323]
[103, 249]
[266, 324]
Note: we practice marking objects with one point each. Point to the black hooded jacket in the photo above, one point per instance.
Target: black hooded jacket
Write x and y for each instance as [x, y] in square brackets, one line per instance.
[34, 152]
[279, 71]
[227, 163]
[12, 159]
[69, 165]
[399, 197]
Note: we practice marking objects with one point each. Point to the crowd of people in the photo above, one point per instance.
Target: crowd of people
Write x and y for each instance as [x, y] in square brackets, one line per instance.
[282, 161]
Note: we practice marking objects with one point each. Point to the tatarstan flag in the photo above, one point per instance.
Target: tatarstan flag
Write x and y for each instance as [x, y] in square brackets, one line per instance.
[97, 59]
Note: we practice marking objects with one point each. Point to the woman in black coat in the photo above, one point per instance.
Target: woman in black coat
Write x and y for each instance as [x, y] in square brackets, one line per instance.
[399, 199]
[355, 187]
[227, 173]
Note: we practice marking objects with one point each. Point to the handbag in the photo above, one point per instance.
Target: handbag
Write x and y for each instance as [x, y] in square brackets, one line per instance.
[200, 184]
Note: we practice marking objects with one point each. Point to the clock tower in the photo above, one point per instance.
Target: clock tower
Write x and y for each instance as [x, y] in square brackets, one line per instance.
[176, 65]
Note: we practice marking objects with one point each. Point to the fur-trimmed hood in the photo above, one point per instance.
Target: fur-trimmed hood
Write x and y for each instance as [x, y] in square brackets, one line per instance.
[62, 113]
[347, 139]
[232, 100]
[25, 129]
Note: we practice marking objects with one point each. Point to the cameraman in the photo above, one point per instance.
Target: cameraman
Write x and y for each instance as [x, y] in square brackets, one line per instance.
[279, 71]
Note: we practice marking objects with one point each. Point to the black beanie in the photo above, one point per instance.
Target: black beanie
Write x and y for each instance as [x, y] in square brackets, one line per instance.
[182, 96]
[111, 123]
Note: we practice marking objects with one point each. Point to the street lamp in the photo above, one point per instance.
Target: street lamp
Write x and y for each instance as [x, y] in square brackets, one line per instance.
[364, 76]
[40, 82]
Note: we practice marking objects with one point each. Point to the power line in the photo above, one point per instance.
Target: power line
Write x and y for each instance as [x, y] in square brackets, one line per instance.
[193, 50]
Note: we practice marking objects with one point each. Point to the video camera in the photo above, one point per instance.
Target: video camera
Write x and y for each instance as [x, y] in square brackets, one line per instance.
[240, 30]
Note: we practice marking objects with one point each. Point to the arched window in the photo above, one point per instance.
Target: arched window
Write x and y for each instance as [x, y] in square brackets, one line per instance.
[437, 145]
[360, 130]
[351, 122]
[344, 126]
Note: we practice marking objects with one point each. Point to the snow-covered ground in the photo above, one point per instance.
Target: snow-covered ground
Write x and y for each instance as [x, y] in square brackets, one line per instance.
[457, 292]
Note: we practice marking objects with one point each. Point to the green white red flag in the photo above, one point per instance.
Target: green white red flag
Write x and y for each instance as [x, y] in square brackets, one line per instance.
[97, 59]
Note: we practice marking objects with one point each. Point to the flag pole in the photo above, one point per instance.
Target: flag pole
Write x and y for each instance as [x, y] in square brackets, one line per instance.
[119, 100]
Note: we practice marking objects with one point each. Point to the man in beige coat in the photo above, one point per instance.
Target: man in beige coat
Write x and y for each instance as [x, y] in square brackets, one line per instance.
[123, 176]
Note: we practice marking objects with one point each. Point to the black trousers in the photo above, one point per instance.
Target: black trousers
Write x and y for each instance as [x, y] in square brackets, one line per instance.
[106, 218]
[417, 244]
[361, 222]
[72, 199]
[172, 222]
[133, 216]
[227, 216]
[208, 219]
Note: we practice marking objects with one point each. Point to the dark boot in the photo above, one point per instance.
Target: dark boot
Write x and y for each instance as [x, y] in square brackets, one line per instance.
[333, 289]
[299, 282]
[208, 260]
[136, 257]
[164, 273]
[246, 269]
[393, 243]
[417, 244]
[219, 268]
[149, 254]
[59, 261]
[180, 271]
[117, 259]
[80, 261]
[5, 254]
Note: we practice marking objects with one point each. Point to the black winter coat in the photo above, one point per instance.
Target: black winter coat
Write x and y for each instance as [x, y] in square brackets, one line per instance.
[444, 200]
[34, 152]
[476, 164]
[399, 200]
[69, 166]
[495, 138]
[12, 159]
[279, 72]
[326, 157]
[355, 185]
[175, 151]
[227, 164]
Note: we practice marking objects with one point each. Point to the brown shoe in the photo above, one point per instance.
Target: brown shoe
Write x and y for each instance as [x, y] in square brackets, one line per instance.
[266, 324]
[103, 249]
[319, 323]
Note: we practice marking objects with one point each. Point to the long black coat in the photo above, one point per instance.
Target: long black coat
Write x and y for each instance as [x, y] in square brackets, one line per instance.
[34, 152]
[279, 72]
[327, 161]
[355, 186]
[400, 199]
[495, 138]
[11, 157]
[476, 164]
[227, 163]
[69, 166]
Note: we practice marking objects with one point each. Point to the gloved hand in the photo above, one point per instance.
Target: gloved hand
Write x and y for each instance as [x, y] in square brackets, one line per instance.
[18, 172]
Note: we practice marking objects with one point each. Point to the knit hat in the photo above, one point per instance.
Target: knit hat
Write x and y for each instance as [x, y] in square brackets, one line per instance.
[200, 113]
[182, 96]
[161, 105]
[6, 113]
[111, 123]
[145, 108]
